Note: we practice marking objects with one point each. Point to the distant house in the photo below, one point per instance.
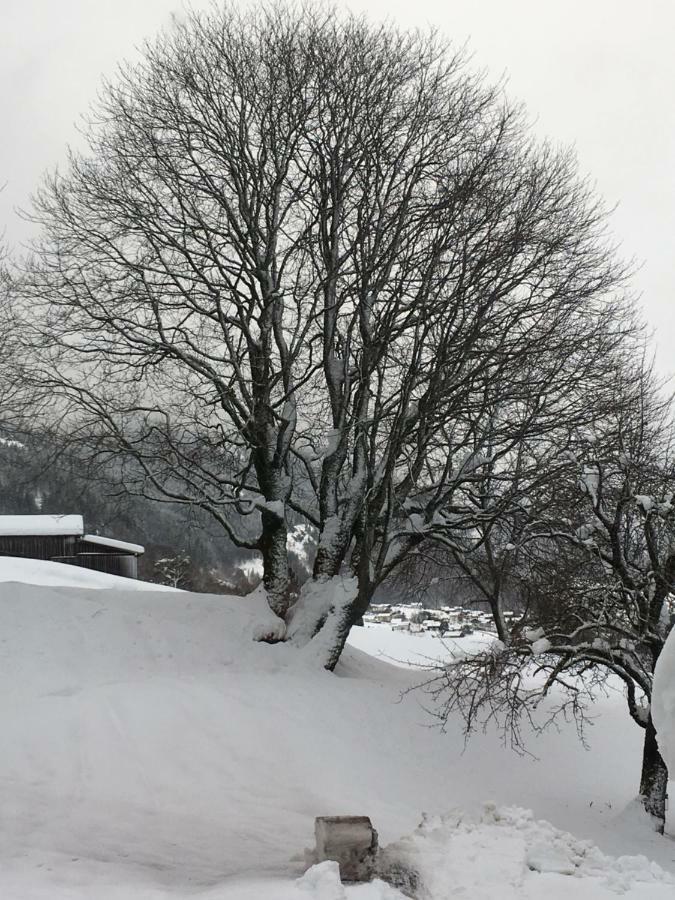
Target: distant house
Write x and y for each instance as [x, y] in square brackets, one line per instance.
[62, 539]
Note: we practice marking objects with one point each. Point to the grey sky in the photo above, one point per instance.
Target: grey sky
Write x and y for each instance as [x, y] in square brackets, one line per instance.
[599, 74]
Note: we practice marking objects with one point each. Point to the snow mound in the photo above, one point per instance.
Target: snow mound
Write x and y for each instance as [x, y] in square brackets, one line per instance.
[152, 749]
[54, 574]
[266, 626]
[321, 882]
[663, 702]
[506, 853]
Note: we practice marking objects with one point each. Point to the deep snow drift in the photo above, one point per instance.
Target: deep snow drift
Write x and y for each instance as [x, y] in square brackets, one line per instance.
[150, 749]
[663, 702]
[53, 574]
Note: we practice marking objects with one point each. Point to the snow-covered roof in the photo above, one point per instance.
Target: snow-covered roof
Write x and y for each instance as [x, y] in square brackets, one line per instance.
[19, 526]
[111, 542]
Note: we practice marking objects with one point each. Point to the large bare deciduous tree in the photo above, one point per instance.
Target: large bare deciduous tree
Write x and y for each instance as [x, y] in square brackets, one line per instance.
[302, 264]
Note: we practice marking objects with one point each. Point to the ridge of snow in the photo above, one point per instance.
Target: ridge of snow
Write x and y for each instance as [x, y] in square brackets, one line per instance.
[46, 573]
[506, 853]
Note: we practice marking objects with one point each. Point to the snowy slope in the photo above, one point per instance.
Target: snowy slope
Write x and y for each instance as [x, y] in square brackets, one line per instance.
[53, 574]
[150, 749]
[403, 648]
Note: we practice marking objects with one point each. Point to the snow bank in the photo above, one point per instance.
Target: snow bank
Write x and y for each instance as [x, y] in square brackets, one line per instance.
[53, 574]
[266, 625]
[506, 853]
[663, 707]
[321, 882]
[151, 749]
[663, 701]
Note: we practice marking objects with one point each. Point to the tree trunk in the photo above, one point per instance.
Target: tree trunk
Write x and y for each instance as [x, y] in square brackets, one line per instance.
[354, 611]
[654, 778]
[320, 620]
[338, 625]
[331, 602]
[350, 615]
[322, 616]
[332, 549]
[503, 632]
[275, 562]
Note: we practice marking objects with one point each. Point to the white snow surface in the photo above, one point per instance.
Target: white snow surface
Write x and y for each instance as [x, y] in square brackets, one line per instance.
[505, 853]
[41, 525]
[151, 750]
[663, 705]
[54, 574]
[420, 650]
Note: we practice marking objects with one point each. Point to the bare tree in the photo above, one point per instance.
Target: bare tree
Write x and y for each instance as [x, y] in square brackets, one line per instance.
[174, 570]
[299, 257]
[14, 393]
[593, 563]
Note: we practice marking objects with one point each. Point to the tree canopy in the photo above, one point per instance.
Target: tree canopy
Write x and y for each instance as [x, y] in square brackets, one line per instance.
[311, 267]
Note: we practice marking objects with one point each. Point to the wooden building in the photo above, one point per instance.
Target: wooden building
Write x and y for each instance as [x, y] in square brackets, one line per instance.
[62, 539]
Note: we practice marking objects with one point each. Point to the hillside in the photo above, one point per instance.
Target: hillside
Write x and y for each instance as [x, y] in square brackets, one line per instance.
[150, 749]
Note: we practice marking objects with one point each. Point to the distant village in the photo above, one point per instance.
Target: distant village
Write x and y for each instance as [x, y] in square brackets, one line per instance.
[444, 621]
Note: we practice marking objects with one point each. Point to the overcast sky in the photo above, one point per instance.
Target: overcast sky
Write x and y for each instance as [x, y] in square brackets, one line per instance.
[599, 74]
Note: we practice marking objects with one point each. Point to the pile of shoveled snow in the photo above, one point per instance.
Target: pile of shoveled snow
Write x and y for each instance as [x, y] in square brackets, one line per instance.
[501, 854]
[506, 853]
[151, 749]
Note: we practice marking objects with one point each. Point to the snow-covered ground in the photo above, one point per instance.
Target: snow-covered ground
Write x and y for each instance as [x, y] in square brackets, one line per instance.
[663, 702]
[150, 749]
[416, 649]
[53, 574]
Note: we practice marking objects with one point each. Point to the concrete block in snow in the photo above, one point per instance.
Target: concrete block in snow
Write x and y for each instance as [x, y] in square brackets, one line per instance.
[351, 841]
